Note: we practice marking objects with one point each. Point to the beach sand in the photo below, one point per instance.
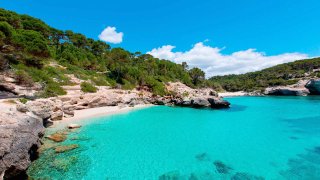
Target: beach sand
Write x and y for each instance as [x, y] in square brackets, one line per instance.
[86, 114]
[232, 94]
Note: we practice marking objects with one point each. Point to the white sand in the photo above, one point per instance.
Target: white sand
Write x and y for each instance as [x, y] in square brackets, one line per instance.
[232, 94]
[97, 112]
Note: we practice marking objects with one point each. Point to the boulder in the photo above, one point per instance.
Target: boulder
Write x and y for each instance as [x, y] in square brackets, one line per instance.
[136, 101]
[218, 103]
[57, 115]
[313, 86]
[286, 91]
[68, 113]
[21, 107]
[200, 102]
[42, 108]
[57, 137]
[74, 126]
[20, 137]
[7, 90]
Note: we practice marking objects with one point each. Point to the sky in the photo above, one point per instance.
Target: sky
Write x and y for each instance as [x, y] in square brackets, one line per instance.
[219, 36]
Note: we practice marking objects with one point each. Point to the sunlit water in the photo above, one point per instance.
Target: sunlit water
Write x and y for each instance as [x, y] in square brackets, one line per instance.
[257, 138]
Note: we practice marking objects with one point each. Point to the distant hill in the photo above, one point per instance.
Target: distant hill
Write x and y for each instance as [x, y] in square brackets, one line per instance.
[37, 53]
[283, 74]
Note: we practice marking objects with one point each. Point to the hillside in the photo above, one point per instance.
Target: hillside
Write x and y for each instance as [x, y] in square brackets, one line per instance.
[280, 75]
[35, 54]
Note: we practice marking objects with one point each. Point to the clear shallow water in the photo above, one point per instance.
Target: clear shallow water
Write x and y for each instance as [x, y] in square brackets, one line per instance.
[259, 137]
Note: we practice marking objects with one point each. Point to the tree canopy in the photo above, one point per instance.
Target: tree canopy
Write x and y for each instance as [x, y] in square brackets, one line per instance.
[36, 44]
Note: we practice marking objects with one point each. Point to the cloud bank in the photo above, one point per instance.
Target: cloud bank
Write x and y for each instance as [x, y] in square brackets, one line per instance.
[213, 62]
[110, 35]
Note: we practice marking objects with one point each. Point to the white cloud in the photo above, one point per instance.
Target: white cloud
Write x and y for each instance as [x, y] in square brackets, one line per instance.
[213, 62]
[110, 35]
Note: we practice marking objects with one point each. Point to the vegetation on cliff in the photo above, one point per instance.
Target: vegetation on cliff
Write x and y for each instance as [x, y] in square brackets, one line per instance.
[283, 74]
[40, 53]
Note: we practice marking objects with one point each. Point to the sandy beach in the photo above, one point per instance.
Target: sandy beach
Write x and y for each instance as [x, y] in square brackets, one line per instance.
[232, 94]
[85, 114]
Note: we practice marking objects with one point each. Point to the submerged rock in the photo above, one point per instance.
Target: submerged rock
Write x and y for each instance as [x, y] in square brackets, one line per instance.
[61, 149]
[222, 168]
[74, 126]
[57, 137]
[245, 176]
[202, 157]
[173, 175]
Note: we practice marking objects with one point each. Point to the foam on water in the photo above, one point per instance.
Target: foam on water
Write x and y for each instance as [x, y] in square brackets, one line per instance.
[258, 138]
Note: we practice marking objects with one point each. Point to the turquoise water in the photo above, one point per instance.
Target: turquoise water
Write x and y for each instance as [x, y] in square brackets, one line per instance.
[257, 138]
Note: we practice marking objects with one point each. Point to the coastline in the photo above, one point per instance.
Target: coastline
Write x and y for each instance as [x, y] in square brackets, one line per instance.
[86, 114]
[233, 94]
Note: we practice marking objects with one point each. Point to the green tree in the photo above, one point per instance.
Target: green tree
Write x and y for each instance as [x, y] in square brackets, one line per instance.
[197, 76]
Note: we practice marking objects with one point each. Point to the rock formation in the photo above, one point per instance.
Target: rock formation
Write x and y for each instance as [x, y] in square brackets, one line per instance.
[313, 86]
[286, 91]
[297, 89]
[19, 140]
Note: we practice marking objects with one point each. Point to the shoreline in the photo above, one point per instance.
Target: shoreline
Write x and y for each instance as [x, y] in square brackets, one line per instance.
[233, 94]
[87, 114]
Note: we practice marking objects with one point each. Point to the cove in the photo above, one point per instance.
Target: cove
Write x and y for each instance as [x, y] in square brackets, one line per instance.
[257, 138]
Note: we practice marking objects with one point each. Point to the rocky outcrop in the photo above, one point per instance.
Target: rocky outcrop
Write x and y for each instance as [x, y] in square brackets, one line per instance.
[42, 108]
[183, 91]
[197, 98]
[218, 103]
[298, 89]
[19, 140]
[286, 91]
[313, 86]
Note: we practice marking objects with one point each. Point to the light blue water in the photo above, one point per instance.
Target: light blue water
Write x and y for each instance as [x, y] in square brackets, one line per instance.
[258, 137]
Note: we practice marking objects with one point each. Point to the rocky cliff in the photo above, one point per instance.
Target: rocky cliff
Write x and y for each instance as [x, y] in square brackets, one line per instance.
[19, 140]
[302, 88]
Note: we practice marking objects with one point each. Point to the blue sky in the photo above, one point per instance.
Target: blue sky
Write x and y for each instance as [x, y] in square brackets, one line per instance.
[270, 28]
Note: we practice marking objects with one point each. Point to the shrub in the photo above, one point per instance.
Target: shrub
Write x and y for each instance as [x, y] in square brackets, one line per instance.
[157, 87]
[6, 28]
[100, 81]
[185, 94]
[23, 78]
[52, 89]
[34, 62]
[4, 63]
[87, 87]
[127, 85]
[23, 100]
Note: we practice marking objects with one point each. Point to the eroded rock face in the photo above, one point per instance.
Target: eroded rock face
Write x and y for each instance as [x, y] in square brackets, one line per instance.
[286, 91]
[313, 86]
[19, 140]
